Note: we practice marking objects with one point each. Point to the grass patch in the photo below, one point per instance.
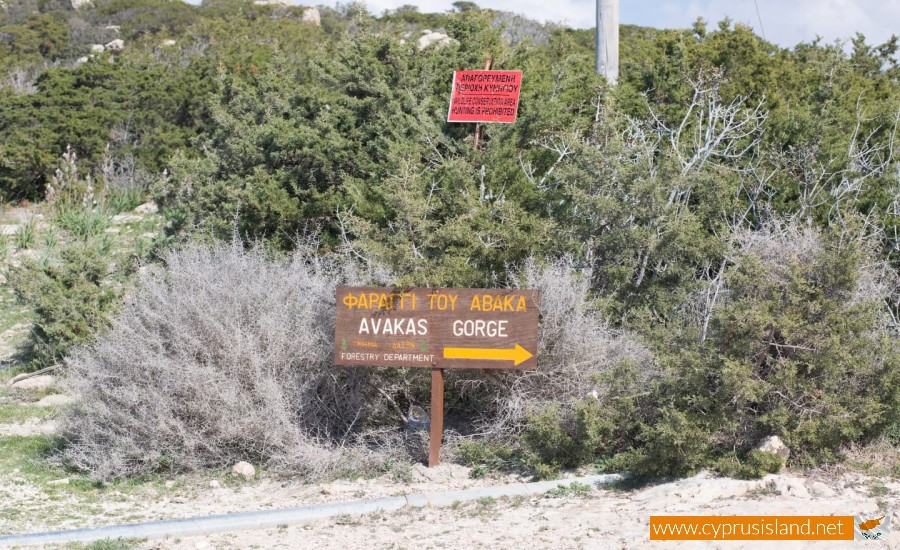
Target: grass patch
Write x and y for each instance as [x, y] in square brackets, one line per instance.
[11, 312]
[485, 459]
[402, 473]
[31, 457]
[27, 234]
[107, 544]
[485, 504]
[880, 458]
[4, 248]
[83, 223]
[17, 413]
[124, 199]
[573, 489]
[878, 489]
[762, 492]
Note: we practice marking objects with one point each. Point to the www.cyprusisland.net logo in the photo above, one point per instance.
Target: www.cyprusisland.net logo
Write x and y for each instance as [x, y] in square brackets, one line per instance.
[875, 527]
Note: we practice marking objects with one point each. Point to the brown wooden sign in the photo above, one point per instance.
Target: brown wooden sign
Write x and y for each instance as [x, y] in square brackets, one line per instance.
[464, 328]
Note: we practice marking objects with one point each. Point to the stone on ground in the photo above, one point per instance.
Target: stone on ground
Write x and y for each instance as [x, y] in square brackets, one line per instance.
[775, 446]
[244, 469]
[55, 400]
[34, 383]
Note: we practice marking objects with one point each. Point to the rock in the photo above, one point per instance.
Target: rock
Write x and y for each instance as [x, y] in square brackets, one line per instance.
[81, 60]
[167, 43]
[78, 4]
[113, 28]
[244, 469]
[214, 484]
[786, 485]
[9, 229]
[18, 377]
[417, 418]
[819, 489]
[63, 481]
[147, 208]
[775, 446]
[438, 39]
[97, 48]
[55, 400]
[169, 483]
[41, 382]
[312, 17]
[116, 45]
[125, 218]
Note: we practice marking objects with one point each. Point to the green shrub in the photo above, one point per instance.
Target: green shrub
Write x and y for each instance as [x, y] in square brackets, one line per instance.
[893, 433]
[472, 453]
[801, 350]
[560, 440]
[674, 444]
[485, 457]
[69, 299]
[755, 465]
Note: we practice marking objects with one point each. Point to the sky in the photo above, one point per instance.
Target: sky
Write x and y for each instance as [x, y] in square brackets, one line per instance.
[784, 22]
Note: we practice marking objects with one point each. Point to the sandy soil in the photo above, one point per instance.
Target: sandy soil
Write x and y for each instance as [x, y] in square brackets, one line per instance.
[29, 427]
[608, 518]
[601, 519]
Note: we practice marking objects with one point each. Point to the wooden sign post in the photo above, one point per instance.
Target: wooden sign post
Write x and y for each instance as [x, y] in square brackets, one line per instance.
[449, 328]
[436, 435]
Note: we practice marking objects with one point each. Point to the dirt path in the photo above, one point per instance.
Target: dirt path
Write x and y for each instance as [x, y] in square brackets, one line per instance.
[599, 519]
[591, 519]
[32, 501]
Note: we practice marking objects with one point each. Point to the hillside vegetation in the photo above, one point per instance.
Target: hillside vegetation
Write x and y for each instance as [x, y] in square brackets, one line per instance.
[716, 237]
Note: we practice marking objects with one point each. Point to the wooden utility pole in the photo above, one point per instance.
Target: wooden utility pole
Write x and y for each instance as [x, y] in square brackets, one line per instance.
[606, 40]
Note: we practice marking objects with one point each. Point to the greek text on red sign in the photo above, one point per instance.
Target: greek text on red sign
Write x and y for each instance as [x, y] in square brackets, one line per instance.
[485, 96]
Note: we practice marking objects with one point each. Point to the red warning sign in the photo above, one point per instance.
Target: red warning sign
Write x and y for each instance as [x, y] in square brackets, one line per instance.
[485, 96]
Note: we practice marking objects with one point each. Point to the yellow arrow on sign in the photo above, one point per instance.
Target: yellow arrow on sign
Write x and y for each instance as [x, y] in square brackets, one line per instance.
[517, 355]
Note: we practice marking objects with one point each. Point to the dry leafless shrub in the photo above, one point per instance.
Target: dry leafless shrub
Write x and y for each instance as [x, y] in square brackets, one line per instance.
[577, 349]
[224, 354]
[780, 245]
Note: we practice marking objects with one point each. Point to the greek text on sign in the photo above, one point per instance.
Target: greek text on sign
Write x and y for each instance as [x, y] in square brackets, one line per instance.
[436, 328]
[485, 96]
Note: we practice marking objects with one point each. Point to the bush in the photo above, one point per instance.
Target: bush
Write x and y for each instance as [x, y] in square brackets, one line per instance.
[579, 353]
[801, 348]
[70, 300]
[583, 399]
[222, 355]
[557, 441]
[756, 465]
